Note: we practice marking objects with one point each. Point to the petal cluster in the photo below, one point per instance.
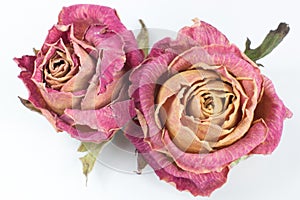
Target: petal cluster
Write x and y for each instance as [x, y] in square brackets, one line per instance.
[201, 105]
[192, 107]
[76, 77]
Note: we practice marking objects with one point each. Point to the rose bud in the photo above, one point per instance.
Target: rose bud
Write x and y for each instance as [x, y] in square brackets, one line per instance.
[75, 79]
[201, 105]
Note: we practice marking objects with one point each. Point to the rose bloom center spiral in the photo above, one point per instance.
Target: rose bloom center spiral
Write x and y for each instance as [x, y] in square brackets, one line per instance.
[198, 108]
[59, 69]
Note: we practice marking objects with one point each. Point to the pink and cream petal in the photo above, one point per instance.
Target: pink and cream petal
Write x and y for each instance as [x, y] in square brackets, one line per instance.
[146, 86]
[272, 110]
[203, 163]
[106, 119]
[81, 80]
[82, 15]
[59, 101]
[197, 184]
[202, 34]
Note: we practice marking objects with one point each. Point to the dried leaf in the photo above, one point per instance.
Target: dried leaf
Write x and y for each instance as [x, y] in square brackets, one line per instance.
[270, 42]
[82, 148]
[35, 51]
[88, 161]
[29, 105]
[143, 38]
[141, 163]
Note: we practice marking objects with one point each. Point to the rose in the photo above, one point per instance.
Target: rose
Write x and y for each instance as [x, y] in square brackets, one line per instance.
[202, 104]
[71, 80]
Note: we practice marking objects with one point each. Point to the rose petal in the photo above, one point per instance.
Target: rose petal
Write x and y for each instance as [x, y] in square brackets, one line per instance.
[59, 101]
[55, 34]
[209, 57]
[111, 54]
[203, 163]
[26, 63]
[35, 97]
[145, 86]
[233, 60]
[96, 125]
[160, 47]
[105, 120]
[203, 34]
[272, 110]
[197, 184]
[247, 107]
[82, 15]
[87, 69]
[82, 133]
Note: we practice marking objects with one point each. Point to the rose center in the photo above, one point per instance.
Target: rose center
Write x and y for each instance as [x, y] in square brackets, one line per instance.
[59, 70]
[58, 67]
[195, 106]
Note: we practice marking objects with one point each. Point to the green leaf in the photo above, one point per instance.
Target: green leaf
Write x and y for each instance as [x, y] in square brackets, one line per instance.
[271, 41]
[88, 161]
[29, 105]
[143, 38]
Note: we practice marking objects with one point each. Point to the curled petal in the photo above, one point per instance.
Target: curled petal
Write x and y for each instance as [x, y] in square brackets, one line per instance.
[272, 110]
[35, 96]
[104, 121]
[82, 78]
[56, 33]
[59, 101]
[202, 34]
[203, 163]
[197, 184]
[145, 88]
[26, 63]
[83, 133]
[82, 15]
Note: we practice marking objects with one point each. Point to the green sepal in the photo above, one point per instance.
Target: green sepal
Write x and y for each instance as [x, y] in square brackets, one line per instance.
[271, 41]
[143, 38]
[88, 161]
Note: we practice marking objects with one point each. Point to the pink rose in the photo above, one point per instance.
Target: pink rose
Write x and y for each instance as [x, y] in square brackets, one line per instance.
[201, 105]
[74, 80]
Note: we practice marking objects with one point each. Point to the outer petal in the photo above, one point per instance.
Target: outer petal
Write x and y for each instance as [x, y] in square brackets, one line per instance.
[273, 111]
[228, 56]
[202, 34]
[197, 184]
[112, 54]
[83, 133]
[35, 97]
[59, 101]
[26, 63]
[203, 163]
[100, 124]
[83, 15]
[144, 88]
[56, 33]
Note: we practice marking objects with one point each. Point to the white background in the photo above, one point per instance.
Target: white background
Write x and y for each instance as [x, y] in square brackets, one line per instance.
[38, 163]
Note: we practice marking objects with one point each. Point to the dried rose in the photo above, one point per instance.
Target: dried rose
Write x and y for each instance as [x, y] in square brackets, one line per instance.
[72, 78]
[202, 104]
